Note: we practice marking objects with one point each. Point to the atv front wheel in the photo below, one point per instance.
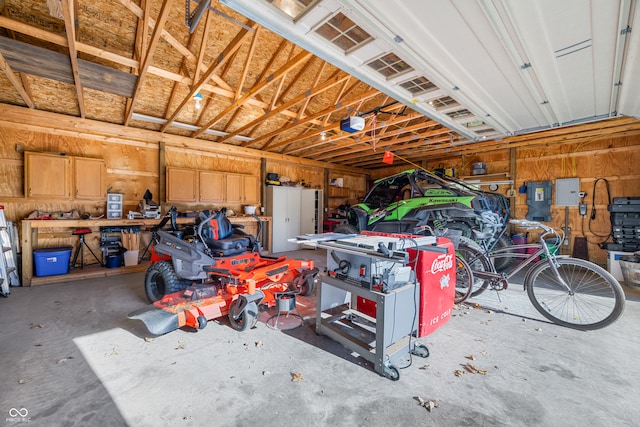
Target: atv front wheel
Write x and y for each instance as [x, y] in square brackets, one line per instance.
[160, 280]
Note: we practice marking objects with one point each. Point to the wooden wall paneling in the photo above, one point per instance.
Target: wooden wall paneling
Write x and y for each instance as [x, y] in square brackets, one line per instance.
[12, 178]
[311, 175]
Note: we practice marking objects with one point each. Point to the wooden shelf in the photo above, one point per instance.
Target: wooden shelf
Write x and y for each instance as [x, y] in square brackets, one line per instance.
[31, 234]
[487, 175]
[91, 271]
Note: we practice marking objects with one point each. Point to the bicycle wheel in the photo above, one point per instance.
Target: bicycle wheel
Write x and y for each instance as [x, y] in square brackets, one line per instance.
[594, 299]
[464, 280]
[472, 253]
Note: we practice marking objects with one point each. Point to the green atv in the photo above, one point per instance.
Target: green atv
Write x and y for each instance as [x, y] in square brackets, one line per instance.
[414, 201]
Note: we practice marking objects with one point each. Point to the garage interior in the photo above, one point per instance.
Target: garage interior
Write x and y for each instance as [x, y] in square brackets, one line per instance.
[201, 103]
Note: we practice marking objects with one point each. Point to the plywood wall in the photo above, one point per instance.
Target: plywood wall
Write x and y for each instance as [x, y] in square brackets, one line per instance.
[133, 165]
[615, 161]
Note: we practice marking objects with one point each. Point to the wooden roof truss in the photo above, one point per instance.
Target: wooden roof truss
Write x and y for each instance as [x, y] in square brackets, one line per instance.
[258, 90]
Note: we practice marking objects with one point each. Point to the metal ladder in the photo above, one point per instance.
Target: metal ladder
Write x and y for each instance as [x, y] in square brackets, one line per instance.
[8, 271]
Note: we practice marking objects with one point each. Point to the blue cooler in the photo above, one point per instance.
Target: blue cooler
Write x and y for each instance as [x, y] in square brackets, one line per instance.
[51, 261]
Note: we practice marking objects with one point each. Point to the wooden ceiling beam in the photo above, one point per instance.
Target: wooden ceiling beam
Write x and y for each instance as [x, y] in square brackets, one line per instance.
[4, 66]
[139, 43]
[276, 54]
[312, 118]
[23, 76]
[336, 126]
[153, 44]
[395, 132]
[203, 45]
[302, 111]
[276, 93]
[376, 158]
[247, 63]
[136, 10]
[334, 80]
[232, 47]
[303, 71]
[183, 65]
[298, 59]
[69, 23]
[581, 133]
[223, 89]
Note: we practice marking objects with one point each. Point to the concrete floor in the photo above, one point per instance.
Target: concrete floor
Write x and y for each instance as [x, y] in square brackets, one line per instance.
[69, 356]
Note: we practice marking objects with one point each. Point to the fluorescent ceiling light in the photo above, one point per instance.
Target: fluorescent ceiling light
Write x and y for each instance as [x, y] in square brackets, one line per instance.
[186, 126]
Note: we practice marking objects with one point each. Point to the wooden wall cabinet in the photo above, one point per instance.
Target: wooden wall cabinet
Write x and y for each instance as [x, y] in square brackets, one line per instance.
[56, 176]
[191, 185]
[250, 190]
[212, 186]
[181, 185]
[234, 188]
[88, 177]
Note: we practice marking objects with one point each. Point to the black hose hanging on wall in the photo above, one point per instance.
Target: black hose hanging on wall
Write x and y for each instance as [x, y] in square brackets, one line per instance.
[593, 209]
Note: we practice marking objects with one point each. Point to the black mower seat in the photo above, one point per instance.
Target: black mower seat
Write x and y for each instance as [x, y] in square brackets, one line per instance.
[221, 236]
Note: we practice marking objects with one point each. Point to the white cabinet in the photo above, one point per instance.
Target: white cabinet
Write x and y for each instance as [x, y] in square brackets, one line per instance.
[293, 211]
[283, 206]
[311, 212]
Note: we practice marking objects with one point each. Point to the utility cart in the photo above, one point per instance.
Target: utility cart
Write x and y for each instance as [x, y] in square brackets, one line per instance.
[373, 300]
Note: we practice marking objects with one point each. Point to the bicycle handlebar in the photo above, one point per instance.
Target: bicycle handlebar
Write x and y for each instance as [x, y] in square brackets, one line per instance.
[525, 223]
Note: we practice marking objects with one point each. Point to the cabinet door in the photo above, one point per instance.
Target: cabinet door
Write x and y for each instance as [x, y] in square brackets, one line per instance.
[283, 205]
[311, 212]
[250, 190]
[181, 185]
[212, 186]
[47, 175]
[234, 188]
[88, 178]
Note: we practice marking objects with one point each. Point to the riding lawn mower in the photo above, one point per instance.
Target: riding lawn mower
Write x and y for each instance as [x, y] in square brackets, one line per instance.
[219, 272]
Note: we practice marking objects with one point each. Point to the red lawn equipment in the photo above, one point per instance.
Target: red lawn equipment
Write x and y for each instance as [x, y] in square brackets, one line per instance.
[220, 273]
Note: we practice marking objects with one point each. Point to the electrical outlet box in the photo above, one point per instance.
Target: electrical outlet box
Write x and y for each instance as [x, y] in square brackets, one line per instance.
[582, 208]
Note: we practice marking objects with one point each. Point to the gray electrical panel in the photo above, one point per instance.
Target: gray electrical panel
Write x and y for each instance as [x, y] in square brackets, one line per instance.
[567, 191]
[539, 201]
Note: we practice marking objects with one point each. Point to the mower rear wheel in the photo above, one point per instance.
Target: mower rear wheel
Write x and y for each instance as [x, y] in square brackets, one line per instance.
[243, 318]
[161, 279]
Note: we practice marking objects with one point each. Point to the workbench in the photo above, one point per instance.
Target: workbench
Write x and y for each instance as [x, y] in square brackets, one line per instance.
[35, 230]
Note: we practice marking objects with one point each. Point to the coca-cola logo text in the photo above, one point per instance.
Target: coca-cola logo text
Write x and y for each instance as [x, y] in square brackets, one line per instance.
[442, 263]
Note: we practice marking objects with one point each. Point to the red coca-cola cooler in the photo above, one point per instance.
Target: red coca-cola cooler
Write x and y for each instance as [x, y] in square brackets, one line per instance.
[436, 273]
[435, 268]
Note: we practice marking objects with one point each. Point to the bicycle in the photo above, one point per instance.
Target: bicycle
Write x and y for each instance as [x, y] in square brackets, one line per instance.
[568, 291]
[464, 275]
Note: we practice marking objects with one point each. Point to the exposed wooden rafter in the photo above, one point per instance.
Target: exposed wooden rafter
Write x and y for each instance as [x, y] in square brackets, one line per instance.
[299, 58]
[68, 10]
[157, 31]
[260, 91]
[218, 62]
[14, 81]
